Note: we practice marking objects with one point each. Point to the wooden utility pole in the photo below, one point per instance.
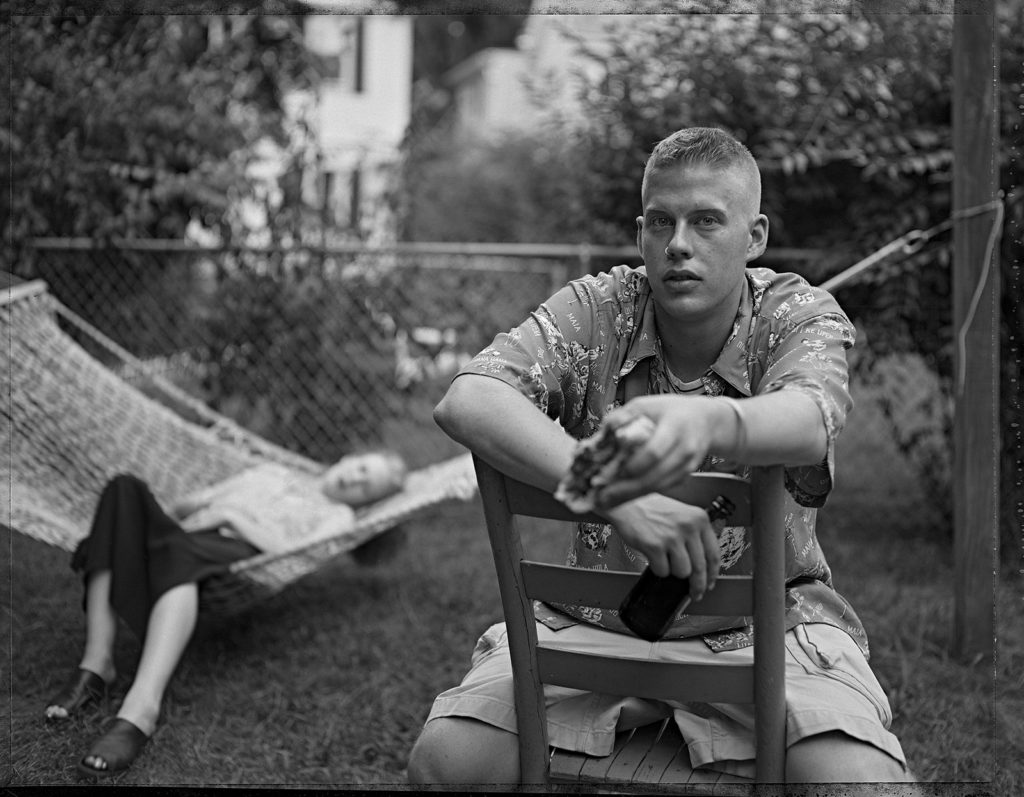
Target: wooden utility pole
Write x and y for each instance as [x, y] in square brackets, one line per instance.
[976, 327]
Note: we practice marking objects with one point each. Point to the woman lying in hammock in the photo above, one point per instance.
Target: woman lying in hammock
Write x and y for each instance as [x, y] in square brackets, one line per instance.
[145, 564]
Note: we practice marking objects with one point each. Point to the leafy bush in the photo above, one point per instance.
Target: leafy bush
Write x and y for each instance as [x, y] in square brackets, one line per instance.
[850, 118]
[127, 123]
[521, 187]
[288, 355]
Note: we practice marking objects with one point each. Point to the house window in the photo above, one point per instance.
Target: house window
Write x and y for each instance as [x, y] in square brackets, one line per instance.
[329, 202]
[326, 66]
[339, 206]
[355, 190]
[351, 57]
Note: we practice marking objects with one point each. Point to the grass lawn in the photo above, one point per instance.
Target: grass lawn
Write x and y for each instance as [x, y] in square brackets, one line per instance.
[328, 683]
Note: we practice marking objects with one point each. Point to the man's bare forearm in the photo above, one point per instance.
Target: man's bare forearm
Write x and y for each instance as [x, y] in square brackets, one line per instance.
[780, 428]
[495, 421]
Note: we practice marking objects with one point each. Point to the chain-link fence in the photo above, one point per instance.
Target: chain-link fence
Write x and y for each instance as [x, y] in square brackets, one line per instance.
[322, 351]
[330, 351]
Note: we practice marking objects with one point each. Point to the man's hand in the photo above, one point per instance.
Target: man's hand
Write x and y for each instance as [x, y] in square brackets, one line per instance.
[676, 538]
[685, 431]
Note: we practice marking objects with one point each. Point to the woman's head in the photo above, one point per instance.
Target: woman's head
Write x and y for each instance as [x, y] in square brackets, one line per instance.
[360, 479]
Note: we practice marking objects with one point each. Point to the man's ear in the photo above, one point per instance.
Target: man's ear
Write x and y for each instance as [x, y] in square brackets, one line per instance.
[758, 237]
[640, 234]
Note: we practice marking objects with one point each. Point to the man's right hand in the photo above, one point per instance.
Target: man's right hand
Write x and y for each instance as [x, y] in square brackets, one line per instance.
[676, 538]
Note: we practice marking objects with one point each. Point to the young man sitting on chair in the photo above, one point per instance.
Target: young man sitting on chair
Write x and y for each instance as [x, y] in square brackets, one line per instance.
[691, 326]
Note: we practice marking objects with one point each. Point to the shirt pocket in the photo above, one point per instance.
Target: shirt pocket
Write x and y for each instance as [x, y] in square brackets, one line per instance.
[552, 618]
[829, 653]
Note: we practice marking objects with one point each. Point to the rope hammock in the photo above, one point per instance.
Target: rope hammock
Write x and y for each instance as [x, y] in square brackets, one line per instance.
[73, 424]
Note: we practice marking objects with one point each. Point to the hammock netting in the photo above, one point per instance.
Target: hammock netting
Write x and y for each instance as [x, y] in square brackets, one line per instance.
[73, 423]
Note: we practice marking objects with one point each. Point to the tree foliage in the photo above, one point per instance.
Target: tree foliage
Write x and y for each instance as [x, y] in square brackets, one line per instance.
[444, 38]
[131, 124]
[519, 188]
[850, 118]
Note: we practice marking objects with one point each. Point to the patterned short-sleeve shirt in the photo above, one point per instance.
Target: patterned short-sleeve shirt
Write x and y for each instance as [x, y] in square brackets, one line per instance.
[573, 358]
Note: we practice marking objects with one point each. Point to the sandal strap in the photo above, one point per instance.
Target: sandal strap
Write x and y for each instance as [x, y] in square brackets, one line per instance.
[119, 746]
[84, 687]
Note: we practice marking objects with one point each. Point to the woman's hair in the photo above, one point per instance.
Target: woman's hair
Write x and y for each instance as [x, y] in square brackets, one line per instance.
[398, 470]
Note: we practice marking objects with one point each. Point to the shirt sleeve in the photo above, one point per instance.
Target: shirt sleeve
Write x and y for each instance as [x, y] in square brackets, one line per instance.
[807, 353]
[548, 358]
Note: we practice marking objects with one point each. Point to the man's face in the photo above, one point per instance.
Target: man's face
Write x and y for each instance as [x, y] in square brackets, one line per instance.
[700, 226]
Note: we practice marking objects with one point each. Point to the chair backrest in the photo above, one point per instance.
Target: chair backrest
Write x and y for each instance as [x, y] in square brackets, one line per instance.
[759, 504]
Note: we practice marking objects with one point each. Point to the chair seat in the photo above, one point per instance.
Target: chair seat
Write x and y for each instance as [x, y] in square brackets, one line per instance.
[650, 755]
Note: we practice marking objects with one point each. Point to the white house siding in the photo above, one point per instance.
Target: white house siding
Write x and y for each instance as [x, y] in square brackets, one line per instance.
[505, 89]
[360, 131]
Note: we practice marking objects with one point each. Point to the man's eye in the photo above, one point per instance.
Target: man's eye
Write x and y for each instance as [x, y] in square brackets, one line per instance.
[660, 221]
[707, 221]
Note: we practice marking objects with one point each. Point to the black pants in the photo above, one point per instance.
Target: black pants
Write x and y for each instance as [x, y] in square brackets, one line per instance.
[147, 551]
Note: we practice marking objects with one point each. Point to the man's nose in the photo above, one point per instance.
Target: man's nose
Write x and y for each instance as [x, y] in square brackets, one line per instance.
[679, 245]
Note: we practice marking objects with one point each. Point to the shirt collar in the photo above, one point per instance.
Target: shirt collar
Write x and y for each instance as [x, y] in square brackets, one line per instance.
[731, 363]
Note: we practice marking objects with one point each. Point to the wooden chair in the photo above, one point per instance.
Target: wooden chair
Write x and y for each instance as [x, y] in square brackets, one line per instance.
[655, 754]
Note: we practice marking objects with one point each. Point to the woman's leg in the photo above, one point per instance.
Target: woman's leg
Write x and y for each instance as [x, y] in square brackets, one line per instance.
[96, 669]
[168, 632]
[100, 627]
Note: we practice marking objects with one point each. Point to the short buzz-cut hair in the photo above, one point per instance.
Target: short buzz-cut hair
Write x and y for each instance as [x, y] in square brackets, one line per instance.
[704, 146]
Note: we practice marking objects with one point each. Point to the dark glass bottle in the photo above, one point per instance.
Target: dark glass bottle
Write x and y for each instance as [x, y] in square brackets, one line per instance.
[654, 601]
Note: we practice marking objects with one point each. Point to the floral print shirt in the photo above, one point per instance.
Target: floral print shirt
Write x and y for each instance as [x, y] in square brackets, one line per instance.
[574, 356]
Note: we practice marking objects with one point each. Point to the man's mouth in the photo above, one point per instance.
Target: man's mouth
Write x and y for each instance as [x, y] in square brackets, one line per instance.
[679, 277]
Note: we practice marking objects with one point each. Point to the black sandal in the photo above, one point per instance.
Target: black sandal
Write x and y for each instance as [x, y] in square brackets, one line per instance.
[85, 687]
[117, 748]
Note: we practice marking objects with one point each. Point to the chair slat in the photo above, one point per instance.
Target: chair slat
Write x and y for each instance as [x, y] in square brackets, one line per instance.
[662, 752]
[628, 758]
[679, 770]
[529, 501]
[699, 490]
[598, 768]
[565, 765]
[710, 683]
[652, 754]
[732, 596]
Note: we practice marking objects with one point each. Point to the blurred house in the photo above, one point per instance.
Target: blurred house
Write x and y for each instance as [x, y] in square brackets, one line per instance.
[346, 131]
[358, 114]
[507, 89]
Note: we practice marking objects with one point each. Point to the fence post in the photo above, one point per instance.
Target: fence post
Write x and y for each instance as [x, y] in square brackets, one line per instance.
[584, 260]
[976, 449]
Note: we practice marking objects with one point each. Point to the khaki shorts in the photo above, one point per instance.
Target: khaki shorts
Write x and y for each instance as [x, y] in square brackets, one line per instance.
[829, 687]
